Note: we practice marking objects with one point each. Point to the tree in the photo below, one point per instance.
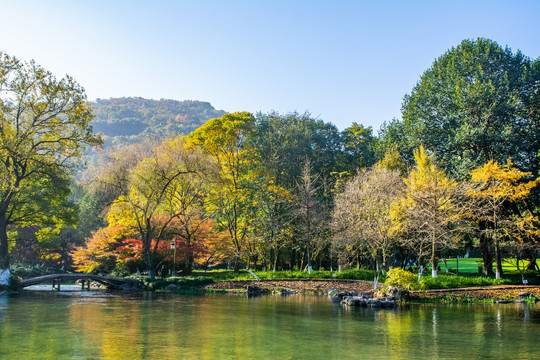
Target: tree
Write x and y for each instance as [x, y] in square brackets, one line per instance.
[432, 209]
[160, 189]
[310, 213]
[280, 145]
[361, 217]
[229, 200]
[496, 186]
[45, 127]
[360, 147]
[477, 102]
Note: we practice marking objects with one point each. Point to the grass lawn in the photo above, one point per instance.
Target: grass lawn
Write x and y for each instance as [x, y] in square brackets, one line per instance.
[471, 265]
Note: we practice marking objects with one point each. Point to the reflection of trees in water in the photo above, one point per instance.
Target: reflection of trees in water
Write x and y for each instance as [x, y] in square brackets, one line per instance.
[3, 307]
[150, 325]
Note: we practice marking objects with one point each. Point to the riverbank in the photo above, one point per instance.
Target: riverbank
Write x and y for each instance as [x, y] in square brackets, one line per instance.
[322, 286]
[310, 286]
[478, 294]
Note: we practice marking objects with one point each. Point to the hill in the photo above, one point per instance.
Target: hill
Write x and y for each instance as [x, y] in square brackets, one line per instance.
[128, 120]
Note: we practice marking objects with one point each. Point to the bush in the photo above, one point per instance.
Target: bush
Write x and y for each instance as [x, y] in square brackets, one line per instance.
[403, 279]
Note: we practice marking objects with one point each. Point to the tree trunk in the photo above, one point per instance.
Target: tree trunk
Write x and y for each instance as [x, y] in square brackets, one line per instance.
[4, 246]
[189, 264]
[532, 263]
[498, 260]
[149, 265]
[487, 256]
[433, 258]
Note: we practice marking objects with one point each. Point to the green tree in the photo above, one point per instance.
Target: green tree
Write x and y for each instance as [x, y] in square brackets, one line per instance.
[45, 127]
[360, 147]
[229, 201]
[477, 102]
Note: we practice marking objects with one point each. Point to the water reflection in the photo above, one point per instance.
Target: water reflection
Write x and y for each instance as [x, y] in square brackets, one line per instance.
[3, 307]
[155, 326]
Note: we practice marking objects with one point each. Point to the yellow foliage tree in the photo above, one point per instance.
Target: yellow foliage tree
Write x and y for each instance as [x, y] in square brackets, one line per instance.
[430, 215]
[494, 187]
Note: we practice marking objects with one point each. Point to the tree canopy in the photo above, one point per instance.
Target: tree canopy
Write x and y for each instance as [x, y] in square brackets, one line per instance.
[45, 127]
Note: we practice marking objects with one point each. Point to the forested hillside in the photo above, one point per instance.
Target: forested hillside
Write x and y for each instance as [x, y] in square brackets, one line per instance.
[128, 120]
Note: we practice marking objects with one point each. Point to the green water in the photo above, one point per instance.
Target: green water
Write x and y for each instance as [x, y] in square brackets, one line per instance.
[91, 325]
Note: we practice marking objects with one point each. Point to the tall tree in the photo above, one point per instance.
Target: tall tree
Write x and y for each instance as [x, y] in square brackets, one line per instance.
[309, 212]
[229, 200]
[359, 146]
[477, 102]
[496, 186]
[159, 190]
[361, 216]
[431, 208]
[45, 126]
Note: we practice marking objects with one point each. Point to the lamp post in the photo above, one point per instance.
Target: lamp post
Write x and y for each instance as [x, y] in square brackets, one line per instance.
[173, 246]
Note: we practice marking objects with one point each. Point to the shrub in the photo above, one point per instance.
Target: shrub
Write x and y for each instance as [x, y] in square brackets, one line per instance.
[403, 279]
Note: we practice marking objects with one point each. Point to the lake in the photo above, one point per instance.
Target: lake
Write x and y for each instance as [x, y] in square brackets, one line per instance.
[96, 325]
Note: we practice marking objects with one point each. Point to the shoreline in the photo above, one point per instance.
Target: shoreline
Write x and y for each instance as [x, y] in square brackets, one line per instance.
[322, 286]
[314, 286]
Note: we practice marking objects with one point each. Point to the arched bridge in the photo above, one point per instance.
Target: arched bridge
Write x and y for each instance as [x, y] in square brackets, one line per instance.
[56, 279]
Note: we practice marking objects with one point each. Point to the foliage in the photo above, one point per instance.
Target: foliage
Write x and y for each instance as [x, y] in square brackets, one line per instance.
[361, 216]
[228, 201]
[46, 127]
[495, 186]
[432, 212]
[349, 274]
[100, 255]
[403, 279]
[475, 104]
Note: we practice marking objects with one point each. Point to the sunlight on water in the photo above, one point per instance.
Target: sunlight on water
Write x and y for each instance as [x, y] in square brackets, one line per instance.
[90, 325]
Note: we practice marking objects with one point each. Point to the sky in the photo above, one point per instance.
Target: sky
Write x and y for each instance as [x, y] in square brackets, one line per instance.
[341, 61]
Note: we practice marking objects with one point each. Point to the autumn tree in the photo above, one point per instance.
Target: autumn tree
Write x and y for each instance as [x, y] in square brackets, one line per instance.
[361, 217]
[496, 186]
[432, 210]
[161, 187]
[45, 127]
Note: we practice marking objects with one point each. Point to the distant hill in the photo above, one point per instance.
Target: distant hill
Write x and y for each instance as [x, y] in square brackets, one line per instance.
[128, 120]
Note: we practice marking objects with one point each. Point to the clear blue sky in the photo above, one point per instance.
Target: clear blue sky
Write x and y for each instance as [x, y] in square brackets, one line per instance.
[343, 61]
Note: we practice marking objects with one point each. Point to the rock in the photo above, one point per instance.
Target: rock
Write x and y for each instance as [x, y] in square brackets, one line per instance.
[254, 290]
[502, 302]
[524, 295]
[332, 292]
[397, 293]
[520, 301]
[367, 294]
[172, 287]
[286, 292]
[363, 301]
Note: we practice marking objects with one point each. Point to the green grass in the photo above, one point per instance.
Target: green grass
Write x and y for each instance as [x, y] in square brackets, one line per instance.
[471, 265]
[351, 274]
[182, 282]
[444, 281]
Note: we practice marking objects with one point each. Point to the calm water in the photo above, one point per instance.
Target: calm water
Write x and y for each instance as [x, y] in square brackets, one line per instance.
[92, 325]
